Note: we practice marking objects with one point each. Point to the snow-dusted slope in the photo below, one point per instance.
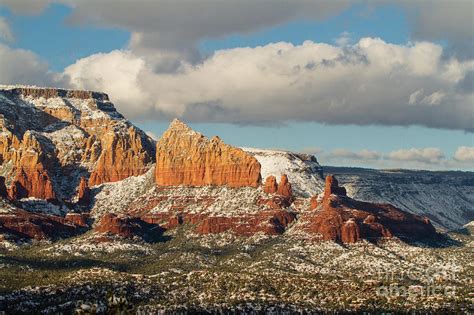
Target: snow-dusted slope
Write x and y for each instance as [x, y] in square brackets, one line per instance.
[447, 198]
[75, 130]
[303, 170]
[470, 224]
[139, 192]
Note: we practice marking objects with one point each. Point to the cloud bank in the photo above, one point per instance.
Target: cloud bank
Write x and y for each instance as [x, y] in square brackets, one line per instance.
[369, 82]
[409, 158]
[465, 154]
[20, 66]
[162, 75]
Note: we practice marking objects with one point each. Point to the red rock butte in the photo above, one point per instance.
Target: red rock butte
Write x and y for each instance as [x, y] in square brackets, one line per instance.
[343, 219]
[186, 157]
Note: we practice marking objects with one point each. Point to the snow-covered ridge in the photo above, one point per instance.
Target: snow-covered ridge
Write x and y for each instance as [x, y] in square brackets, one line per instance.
[136, 192]
[303, 170]
[67, 105]
[447, 198]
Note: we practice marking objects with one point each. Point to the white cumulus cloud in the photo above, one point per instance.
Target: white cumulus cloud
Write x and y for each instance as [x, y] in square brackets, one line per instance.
[116, 73]
[369, 82]
[366, 155]
[20, 66]
[464, 154]
[424, 155]
[407, 158]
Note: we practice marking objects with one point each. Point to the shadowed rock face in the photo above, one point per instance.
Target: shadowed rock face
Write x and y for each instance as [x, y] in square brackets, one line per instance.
[32, 183]
[84, 193]
[3, 188]
[21, 224]
[346, 220]
[186, 157]
[127, 227]
[50, 138]
[268, 222]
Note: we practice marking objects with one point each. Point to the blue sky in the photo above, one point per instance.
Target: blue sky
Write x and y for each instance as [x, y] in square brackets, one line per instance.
[59, 37]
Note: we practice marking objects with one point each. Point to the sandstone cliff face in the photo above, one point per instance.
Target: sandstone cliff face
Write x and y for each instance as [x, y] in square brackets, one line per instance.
[339, 218]
[284, 187]
[332, 187]
[271, 185]
[127, 227]
[123, 155]
[185, 157]
[84, 192]
[31, 177]
[32, 183]
[267, 222]
[21, 224]
[50, 138]
[78, 219]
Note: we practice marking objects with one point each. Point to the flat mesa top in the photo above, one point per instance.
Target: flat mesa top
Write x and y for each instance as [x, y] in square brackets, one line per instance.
[50, 92]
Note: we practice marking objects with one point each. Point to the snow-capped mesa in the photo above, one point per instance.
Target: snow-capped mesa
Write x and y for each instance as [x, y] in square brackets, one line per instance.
[303, 170]
[51, 138]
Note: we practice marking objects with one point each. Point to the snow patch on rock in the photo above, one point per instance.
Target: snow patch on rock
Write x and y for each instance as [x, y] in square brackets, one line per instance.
[303, 170]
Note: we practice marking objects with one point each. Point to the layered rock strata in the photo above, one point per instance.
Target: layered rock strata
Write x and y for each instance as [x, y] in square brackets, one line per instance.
[339, 218]
[186, 157]
[24, 225]
[50, 138]
[127, 227]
